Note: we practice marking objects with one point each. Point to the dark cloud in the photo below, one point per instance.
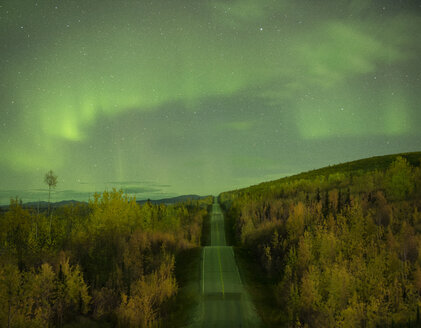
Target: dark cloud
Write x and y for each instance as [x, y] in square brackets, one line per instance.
[141, 190]
[129, 182]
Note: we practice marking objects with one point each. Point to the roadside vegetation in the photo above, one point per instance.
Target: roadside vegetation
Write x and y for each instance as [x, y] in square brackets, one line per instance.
[335, 247]
[111, 262]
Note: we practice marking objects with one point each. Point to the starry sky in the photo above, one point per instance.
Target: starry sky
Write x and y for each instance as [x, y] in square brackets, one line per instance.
[171, 97]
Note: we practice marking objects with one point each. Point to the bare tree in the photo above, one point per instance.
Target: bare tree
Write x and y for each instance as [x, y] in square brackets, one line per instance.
[51, 180]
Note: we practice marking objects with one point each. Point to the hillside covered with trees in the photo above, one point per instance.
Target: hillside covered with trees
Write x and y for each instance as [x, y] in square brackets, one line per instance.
[339, 246]
[110, 261]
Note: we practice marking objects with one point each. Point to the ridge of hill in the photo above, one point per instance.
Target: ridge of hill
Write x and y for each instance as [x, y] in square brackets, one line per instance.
[380, 163]
[331, 246]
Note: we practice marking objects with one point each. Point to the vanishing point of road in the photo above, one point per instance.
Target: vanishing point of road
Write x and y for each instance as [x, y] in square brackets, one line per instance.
[224, 300]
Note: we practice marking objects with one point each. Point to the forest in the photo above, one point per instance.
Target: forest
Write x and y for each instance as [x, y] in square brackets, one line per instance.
[339, 246]
[335, 247]
[109, 262]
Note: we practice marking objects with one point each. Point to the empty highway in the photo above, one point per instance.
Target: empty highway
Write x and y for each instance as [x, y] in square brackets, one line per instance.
[224, 301]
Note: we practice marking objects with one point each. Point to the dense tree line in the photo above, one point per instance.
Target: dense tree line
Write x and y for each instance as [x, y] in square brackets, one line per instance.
[111, 260]
[341, 249]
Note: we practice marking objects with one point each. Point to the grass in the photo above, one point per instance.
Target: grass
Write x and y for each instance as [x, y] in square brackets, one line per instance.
[254, 279]
[229, 228]
[187, 272]
[259, 288]
[206, 226]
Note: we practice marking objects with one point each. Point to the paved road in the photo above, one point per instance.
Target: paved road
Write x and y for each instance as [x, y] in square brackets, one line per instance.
[224, 301]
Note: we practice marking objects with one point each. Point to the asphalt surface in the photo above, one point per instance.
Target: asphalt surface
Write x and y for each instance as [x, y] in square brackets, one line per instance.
[224, 301]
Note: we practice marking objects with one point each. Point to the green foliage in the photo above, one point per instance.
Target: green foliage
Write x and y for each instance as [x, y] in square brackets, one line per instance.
[147, 296]
[38, 298]
[17, 227]
[111, 260]
[399, 180]
[340, 245]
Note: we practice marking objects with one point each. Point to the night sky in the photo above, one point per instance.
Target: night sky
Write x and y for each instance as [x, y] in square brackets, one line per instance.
[162, 98]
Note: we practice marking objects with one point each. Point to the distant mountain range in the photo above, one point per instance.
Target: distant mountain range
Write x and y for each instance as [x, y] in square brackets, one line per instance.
[166, 201]
[172, 200]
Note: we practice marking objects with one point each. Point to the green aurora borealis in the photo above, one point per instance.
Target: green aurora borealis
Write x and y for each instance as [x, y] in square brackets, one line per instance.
[174, 97]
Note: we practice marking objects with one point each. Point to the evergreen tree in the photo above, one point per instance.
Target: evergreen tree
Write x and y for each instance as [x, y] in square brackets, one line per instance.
[339, 207]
